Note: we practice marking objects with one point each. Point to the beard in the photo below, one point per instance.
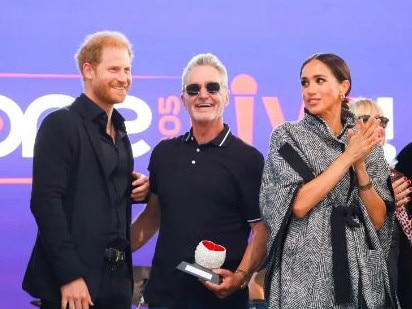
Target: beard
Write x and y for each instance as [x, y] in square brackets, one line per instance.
[108, 93]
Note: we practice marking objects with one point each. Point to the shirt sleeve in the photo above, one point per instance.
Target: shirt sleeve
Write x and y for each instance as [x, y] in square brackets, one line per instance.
[52, 166]
[250, 180]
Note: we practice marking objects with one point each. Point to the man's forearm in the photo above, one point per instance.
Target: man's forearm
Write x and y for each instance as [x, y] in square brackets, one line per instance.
[256, 250]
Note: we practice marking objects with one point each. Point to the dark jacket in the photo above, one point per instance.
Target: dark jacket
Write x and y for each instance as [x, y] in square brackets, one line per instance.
[70, 201]
[404, 166]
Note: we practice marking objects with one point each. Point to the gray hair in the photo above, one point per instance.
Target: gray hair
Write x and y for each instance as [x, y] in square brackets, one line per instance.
[205, 59]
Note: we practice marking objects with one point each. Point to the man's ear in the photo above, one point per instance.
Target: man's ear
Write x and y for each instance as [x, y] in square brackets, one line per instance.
[182, 97]
[227, 98]
[87, 70]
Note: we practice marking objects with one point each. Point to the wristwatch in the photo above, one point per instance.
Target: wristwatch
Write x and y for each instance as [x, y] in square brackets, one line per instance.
[244, 278]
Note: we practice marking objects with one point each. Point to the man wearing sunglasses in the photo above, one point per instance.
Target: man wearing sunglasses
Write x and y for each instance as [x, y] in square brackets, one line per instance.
[204, 186]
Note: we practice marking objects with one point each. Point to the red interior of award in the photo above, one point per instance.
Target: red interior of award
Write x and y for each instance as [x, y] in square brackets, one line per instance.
[212, 246]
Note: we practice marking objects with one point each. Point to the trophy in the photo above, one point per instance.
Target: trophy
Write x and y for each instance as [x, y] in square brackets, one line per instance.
[208, 256]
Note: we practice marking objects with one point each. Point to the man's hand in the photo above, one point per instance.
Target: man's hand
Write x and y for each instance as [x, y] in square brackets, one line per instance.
[140, 187]
[231, 282]
[75, 295]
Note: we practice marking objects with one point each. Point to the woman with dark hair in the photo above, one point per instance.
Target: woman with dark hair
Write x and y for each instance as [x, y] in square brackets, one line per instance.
[326, 197]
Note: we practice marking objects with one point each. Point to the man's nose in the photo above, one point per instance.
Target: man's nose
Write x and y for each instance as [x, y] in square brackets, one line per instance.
[123, 76]
[203, 93]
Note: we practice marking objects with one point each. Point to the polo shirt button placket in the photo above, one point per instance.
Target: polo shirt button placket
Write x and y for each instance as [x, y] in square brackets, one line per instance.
[194, 161]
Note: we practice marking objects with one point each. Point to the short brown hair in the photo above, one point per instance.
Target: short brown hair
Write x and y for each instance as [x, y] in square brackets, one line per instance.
[91, 49]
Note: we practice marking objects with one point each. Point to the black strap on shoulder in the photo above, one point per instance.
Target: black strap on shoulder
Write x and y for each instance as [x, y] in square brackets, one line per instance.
[275, 252]
[295, 160]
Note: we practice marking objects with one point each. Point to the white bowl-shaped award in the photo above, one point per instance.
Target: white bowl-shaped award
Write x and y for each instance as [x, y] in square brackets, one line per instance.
[210, 255]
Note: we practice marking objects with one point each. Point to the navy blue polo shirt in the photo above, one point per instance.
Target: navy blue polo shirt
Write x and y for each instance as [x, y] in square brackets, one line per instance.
[208, 191]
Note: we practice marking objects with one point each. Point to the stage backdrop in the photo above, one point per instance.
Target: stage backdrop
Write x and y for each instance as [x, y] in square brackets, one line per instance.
[262, 43]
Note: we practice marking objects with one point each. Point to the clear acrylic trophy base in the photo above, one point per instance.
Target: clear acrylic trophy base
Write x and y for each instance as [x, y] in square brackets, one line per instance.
[199, 272]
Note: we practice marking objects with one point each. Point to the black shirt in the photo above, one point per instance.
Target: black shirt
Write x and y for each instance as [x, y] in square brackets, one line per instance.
[116, 165]
[208, 191]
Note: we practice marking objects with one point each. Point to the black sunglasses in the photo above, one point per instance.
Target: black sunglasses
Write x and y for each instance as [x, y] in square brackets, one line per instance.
[383, 123]
[194, 89]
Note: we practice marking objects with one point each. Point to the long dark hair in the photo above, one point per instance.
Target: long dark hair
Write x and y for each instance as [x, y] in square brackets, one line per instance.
[338, 67]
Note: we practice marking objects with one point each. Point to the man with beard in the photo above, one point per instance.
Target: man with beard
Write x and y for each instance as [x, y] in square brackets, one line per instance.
[83, 188]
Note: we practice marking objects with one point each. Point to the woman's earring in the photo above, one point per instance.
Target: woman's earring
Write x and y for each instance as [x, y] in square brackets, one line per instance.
[342, 97]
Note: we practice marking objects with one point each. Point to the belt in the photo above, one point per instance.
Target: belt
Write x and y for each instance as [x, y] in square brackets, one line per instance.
[342, 216]
[114, 255]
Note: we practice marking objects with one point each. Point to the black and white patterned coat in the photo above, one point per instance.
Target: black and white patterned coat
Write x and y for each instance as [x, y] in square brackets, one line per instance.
[305, 278]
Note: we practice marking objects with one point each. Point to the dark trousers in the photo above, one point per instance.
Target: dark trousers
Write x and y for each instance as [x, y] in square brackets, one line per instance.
[192, 306]
[405, 273]
[394, 256]
[115, 293]
[194, 303]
